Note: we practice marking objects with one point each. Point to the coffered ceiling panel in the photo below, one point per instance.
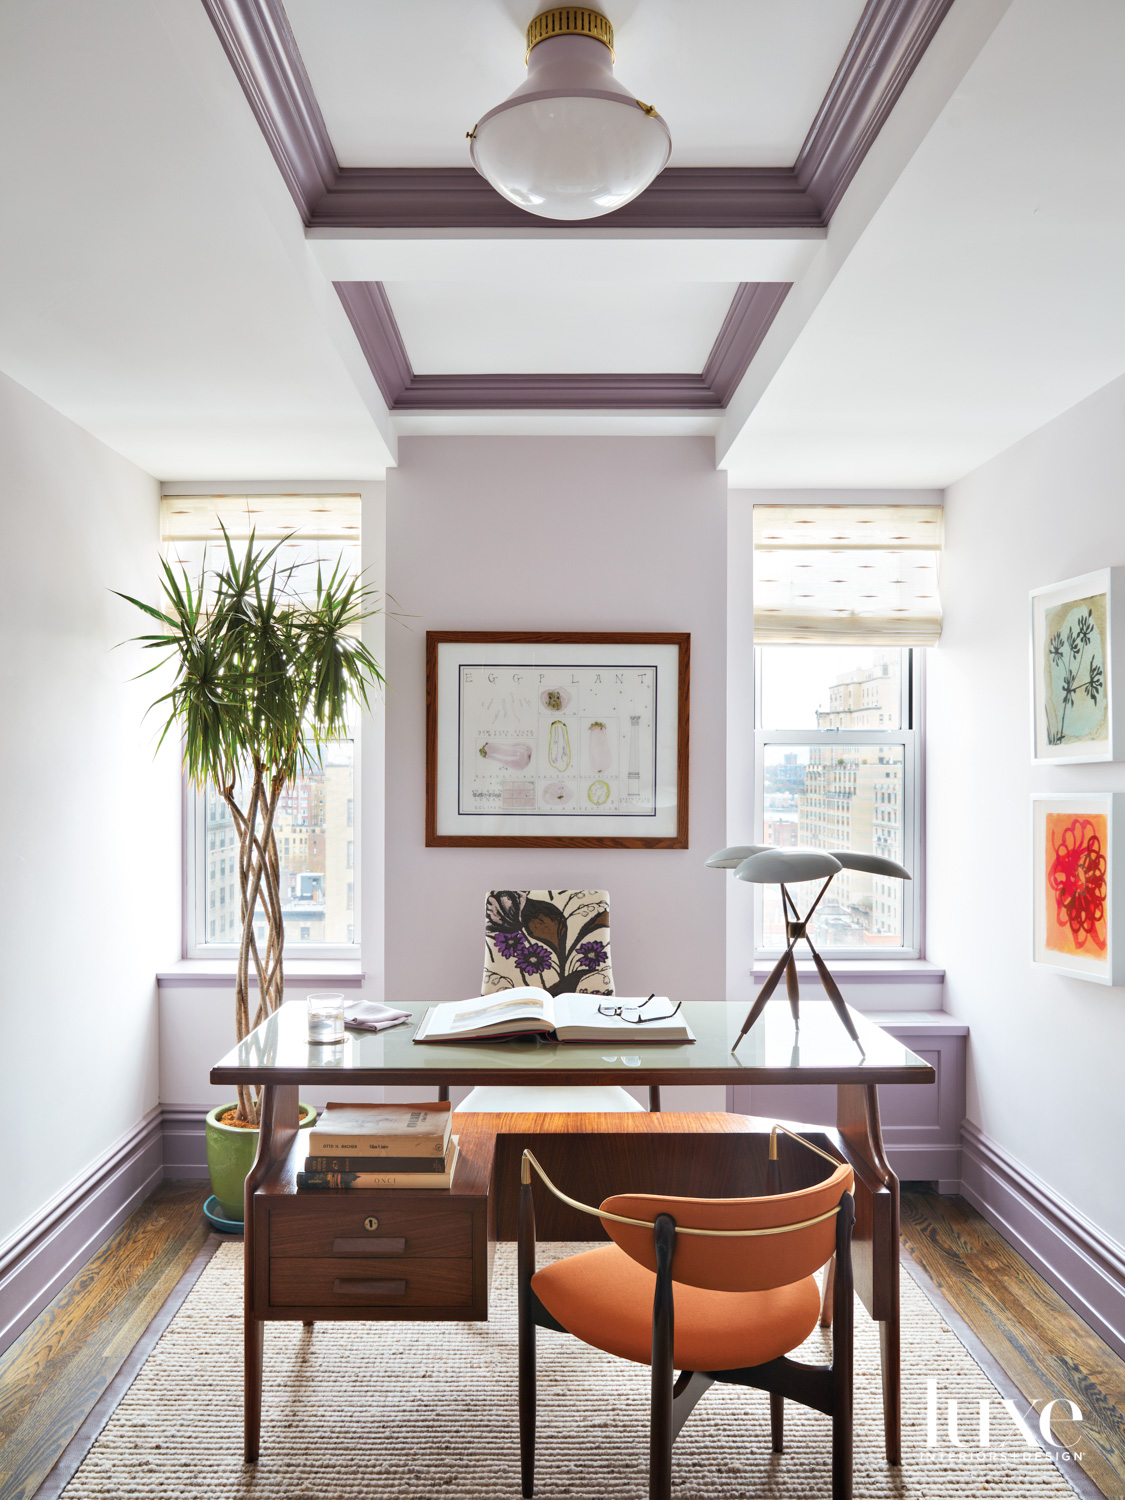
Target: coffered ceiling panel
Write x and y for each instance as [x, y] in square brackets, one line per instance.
[399, 82]
[457, 328]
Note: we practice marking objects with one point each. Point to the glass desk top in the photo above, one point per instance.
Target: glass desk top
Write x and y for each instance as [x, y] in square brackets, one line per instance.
[773, 1051]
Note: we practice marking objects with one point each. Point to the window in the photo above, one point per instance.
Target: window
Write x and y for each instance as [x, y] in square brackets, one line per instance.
[837, 768]
[319, 865]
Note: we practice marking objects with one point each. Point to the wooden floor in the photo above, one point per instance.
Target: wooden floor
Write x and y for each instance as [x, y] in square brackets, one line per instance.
[54, 1373]
[58, 1367]
[1028, 1329]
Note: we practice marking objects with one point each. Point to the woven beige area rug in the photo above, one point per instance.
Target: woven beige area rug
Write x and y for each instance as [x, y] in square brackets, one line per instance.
[410, 1411]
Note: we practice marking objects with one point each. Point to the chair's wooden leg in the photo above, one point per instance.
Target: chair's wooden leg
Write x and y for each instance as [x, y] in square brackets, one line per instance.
[826, 1295]
[525, 1270]
[443, 1093]
[527, 1405]
[777, 1422]
[308, 1323]
[842, 1355]
[654, 1098]
[254, 1338]
[663, 1343]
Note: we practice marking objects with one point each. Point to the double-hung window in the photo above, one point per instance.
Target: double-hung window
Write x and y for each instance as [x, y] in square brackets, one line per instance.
[317, 816]
[845, 600]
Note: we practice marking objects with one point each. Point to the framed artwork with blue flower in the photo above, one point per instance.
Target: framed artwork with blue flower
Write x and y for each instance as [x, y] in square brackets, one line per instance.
[553, 740]
[1076, 633]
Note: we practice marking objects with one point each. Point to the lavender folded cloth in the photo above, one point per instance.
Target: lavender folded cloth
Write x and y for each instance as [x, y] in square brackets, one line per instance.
[369, 1015]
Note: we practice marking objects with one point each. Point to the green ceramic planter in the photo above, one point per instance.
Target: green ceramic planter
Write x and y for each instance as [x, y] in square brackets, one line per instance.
[230, 1155]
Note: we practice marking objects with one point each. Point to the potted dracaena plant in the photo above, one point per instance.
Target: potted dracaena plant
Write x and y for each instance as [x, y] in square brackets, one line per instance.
[264, 678]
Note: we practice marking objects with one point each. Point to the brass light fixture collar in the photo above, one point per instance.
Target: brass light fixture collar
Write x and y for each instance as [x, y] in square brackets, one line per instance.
[569, 20]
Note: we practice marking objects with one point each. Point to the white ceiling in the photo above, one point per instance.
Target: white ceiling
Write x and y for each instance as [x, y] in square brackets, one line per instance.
[400, 82]
[986, 294]
[456, 327]
[157, 287]
[145, 291]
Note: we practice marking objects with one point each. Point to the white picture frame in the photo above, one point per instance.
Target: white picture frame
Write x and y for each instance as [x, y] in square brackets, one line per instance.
[1077, 635]
[1078, 886]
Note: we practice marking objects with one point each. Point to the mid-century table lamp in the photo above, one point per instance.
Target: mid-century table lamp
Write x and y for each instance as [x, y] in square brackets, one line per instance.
[761, 864]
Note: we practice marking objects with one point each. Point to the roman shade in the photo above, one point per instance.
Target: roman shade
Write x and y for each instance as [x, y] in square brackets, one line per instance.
[314, 530]
[863, 575]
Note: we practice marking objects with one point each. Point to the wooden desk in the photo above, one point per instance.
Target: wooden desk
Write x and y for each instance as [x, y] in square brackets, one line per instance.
[315, 1256]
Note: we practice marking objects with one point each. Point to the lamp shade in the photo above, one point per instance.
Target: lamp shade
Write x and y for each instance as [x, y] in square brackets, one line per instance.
[778, 866]
[871, 864]
[730, 859]
[571, 142]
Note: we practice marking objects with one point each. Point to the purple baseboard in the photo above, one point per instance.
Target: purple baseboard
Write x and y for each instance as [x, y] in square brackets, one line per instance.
[1083, 1264]
[39, 1259]
[185, 1148]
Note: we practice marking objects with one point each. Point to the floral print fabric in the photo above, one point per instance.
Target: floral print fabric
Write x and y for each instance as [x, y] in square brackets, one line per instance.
[553, 940]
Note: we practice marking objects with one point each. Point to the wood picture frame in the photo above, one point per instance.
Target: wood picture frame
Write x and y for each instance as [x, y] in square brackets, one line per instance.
[583, 738]
[1077, 635]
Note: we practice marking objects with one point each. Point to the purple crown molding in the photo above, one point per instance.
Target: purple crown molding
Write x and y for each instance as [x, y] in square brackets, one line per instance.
[373, 322]
[882, 54]
[459, 198]
[260, 45]
[746, 324]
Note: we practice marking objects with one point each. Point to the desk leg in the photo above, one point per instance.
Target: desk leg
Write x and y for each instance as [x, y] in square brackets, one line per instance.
[278, 1127]
[875, 1242]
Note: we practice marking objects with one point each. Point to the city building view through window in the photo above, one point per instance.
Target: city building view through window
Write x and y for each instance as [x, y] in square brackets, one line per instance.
[835, 766]
[316, 841]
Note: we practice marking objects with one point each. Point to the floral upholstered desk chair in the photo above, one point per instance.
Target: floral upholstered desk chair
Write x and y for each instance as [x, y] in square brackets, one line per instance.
[557, 941]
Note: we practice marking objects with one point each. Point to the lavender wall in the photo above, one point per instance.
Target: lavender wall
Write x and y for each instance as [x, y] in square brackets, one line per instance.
[1045, 1051]
[569, 534]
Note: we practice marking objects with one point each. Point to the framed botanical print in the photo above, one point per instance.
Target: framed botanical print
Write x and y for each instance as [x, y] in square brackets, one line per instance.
[548, 740]
[1078, 885]
[1077, 633]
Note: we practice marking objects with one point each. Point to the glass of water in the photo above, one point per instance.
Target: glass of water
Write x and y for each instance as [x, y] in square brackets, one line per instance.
[326, 1016]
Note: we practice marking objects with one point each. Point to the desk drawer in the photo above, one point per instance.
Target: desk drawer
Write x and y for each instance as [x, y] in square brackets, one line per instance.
[375, 1282]
[323, 1226]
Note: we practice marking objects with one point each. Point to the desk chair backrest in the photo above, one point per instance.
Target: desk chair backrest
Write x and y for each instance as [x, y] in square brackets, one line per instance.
[552, 940]
[739, 1262]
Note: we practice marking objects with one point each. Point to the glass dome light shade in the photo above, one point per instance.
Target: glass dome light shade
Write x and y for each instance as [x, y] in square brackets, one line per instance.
[570, 142]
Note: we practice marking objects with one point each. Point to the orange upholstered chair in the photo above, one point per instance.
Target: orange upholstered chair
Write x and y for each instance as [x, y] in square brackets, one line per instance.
[721, 1289]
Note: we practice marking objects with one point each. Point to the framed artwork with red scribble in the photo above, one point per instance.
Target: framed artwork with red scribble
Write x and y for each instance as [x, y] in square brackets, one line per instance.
[1078, 891]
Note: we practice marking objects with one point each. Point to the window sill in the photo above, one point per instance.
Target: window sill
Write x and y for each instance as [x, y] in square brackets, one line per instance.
[217, 973]
[863, 970]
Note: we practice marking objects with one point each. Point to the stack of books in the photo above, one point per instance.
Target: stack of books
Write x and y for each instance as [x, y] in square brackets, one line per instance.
[368, 1146]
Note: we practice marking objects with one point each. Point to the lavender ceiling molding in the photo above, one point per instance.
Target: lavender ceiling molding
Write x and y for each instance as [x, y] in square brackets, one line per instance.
[884, 50]
[746, 324]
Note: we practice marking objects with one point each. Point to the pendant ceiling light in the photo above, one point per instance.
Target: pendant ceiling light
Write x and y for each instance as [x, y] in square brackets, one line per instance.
[571, 142]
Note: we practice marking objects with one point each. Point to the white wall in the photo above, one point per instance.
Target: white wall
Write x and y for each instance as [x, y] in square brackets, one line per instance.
[1045, 1076]
[567, 534]
[89, 879]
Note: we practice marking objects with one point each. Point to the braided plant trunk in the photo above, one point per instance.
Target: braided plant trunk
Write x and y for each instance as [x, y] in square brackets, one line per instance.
[259, 881]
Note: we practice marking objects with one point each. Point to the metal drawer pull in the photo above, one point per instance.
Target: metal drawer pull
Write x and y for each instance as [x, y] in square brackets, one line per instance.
[381, 1246]
[369, 1288]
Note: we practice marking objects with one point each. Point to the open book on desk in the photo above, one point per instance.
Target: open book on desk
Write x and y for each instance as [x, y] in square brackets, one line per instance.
[560, 1018]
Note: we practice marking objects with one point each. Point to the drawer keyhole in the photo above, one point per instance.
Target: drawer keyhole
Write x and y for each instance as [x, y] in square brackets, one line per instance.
[371, 1223]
